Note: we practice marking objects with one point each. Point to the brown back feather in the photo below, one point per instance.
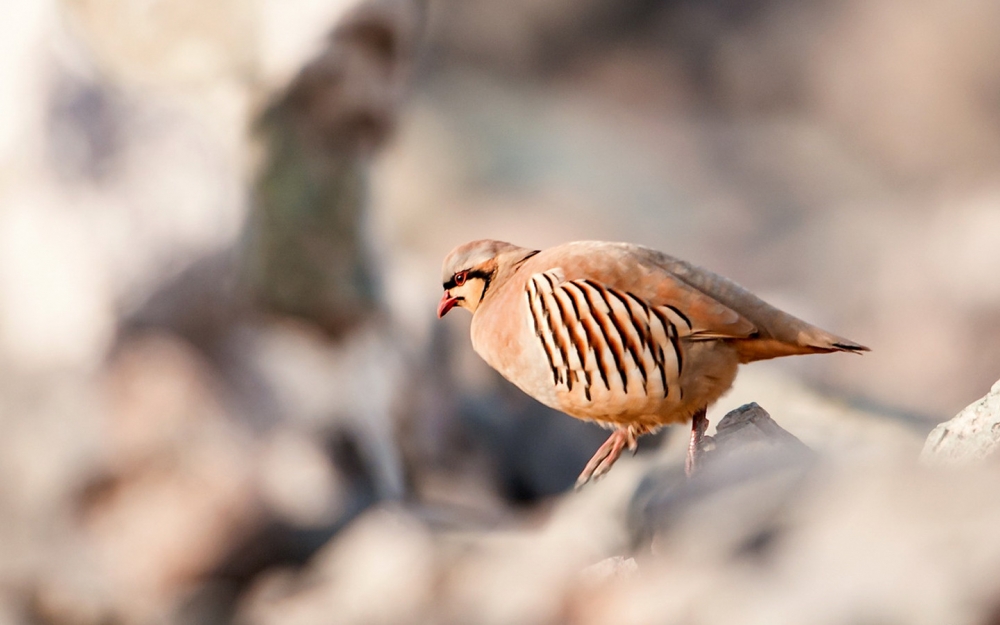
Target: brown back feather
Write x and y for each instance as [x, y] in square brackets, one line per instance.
[778, 333]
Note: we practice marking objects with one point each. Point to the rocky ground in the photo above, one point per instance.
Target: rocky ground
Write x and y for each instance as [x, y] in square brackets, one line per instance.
[771, 531]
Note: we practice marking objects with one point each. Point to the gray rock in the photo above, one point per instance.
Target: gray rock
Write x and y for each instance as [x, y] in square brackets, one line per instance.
[752, 465]
[971, 436]
[750, 427]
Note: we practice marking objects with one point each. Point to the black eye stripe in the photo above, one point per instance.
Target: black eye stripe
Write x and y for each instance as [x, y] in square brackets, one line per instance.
[485, 276]
[478, 273]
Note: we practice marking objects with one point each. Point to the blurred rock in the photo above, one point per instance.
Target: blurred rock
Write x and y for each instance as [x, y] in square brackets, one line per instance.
[970, 437]
[180, 43]
[830, 539]
[306, 251]
[298, 480]
[285, 537]
[750, 460]
[382, 570]
[291, 33]
[748, 429]
[792, 537]
[530, 571]
[176, 490]
[200, 304]
[291, 374]
[525, 36]
[55, 310]
[615, 567]
[309, 402]
[845, 542]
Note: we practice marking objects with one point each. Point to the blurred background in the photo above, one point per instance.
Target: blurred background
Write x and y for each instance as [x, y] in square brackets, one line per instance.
[225, 396]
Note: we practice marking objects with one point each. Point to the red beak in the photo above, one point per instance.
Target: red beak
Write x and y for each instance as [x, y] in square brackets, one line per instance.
[447, 303]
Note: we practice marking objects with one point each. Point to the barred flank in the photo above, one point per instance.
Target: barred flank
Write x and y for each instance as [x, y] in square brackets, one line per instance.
[593, 334]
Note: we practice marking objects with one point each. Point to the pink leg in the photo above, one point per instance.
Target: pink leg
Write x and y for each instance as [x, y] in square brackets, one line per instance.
[698, 426]
[610, 451]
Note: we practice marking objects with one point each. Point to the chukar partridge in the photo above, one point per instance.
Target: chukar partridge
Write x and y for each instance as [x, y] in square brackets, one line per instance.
[619, 334]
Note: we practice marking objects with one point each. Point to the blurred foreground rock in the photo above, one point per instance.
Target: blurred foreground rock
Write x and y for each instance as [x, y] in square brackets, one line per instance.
[840, 541]
[767, 533]
[973, 435]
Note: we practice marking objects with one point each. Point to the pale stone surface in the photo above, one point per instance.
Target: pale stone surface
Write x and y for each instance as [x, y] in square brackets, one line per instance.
[381, 570]
[971, 436]
[615, 567]
[176, 491]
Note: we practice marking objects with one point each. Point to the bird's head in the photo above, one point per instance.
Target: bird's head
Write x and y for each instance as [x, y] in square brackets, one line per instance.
[470, 270]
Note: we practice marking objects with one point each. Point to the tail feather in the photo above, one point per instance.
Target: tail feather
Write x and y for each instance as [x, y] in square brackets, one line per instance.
[847, 346]
[766, 347]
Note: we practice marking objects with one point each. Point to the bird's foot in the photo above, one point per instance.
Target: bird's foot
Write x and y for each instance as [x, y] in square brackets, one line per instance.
[610, 451]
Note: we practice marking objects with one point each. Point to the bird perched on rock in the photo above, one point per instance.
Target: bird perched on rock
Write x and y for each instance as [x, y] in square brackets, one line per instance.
[619, 334]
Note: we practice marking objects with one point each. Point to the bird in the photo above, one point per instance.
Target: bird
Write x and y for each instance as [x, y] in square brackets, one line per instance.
[618, 333]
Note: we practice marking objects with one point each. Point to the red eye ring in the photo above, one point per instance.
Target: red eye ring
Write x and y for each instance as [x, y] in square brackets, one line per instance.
[460, 278]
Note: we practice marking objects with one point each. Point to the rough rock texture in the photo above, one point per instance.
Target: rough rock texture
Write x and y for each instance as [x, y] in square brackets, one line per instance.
[751, 459]
[615, 567]
[750, 426]
[971, 436]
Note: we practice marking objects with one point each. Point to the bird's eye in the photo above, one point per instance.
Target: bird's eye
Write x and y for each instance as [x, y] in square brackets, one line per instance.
[460, 278]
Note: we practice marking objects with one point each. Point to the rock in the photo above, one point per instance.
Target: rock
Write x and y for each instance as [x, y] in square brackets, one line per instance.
[176, 490]
[749, 427]
[970, 437]
[306, 253]
[615, 567]
[751, 463]
[834, 537]
[825, 422]
[382, 570]
[853, 540]
[767, 532]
